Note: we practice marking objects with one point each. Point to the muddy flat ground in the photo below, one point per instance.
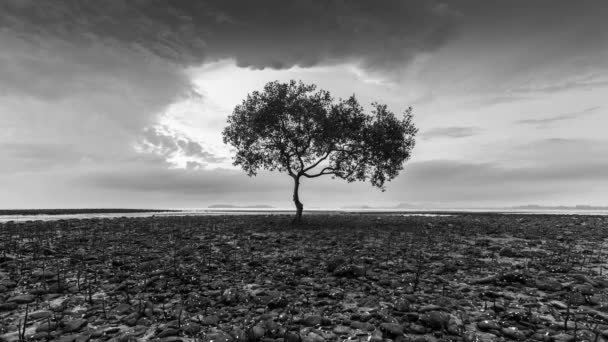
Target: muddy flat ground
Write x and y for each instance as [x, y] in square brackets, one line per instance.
[356, 277]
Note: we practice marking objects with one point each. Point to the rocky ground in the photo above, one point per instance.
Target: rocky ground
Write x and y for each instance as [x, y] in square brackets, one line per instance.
[470, 277]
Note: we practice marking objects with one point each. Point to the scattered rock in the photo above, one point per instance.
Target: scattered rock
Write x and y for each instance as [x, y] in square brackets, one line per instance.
[402, 305]
[210, 320]
[221, 274]
[311, 321]
[486, 325]
[334, 263]
[550, 285]
[75, 325]
[349, 271]
[513, 333]
[256, 333]
[191, 328]
[562, 337]
[509, 252]
[342, 330]
[436, 320]
[44, 327]
[168, 332]
[417, 328]
[362, 326]
[392, 329]
[218, 337]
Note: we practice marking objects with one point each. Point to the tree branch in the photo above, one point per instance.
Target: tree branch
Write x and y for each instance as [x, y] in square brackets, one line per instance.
[319, 161]
[333, 172]
[286, 156]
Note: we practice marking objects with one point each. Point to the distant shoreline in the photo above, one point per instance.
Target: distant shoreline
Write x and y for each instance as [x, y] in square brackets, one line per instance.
[220, 208]
[85, 214]
[24, 212]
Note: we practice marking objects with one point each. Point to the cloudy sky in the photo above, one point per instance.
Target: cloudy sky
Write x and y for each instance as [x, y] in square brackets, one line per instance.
[121, 103]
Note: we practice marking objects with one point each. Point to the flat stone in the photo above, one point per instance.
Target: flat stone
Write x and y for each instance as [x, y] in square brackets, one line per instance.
[210, 320]
[349, 271]
[392, 328]
[111, 330]
[82, 338]
[562, 337]
[342, 330]
[486, 325]
[402, 305]
[40, 314]
[44, 327]
[550, 285]
[436, 319]
[22, 299]
[217, 337]
[311, 321]
[417, 328]
[172, 339]
[131, 319]
[362, 326]
[431, 307]
[558, 304]
[168, 332]
[66, 338]
[192, 328]
[122, 309]
[313, 337]
[513, 333]
[256, 333]
[75, 325]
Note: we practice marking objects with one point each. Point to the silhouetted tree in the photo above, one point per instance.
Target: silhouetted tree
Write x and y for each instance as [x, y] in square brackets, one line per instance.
[292, 128]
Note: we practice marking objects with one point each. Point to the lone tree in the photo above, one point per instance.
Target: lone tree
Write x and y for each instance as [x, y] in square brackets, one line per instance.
[294, 128]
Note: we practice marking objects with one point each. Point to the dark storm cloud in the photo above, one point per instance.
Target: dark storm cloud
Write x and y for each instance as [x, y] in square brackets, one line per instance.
[450, 132]
[544, 122]
[259, 34]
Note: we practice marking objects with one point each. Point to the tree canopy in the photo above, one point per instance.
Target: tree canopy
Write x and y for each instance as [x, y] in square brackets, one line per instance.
[297, 129]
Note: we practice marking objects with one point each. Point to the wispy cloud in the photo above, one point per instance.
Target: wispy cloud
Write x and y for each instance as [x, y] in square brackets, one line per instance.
[576, 83]
[177, 148]
[544, 122]
[450, 132]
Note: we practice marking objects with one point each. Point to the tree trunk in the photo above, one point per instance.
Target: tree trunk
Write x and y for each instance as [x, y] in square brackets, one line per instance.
[296, 201]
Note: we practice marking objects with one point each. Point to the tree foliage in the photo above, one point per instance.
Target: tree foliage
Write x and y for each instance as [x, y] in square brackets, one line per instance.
[295, 128]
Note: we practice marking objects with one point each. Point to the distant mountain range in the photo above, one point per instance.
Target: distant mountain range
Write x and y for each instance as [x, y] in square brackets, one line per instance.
[398, 206]
[440, 207]
[232, 206]
[559, 207]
